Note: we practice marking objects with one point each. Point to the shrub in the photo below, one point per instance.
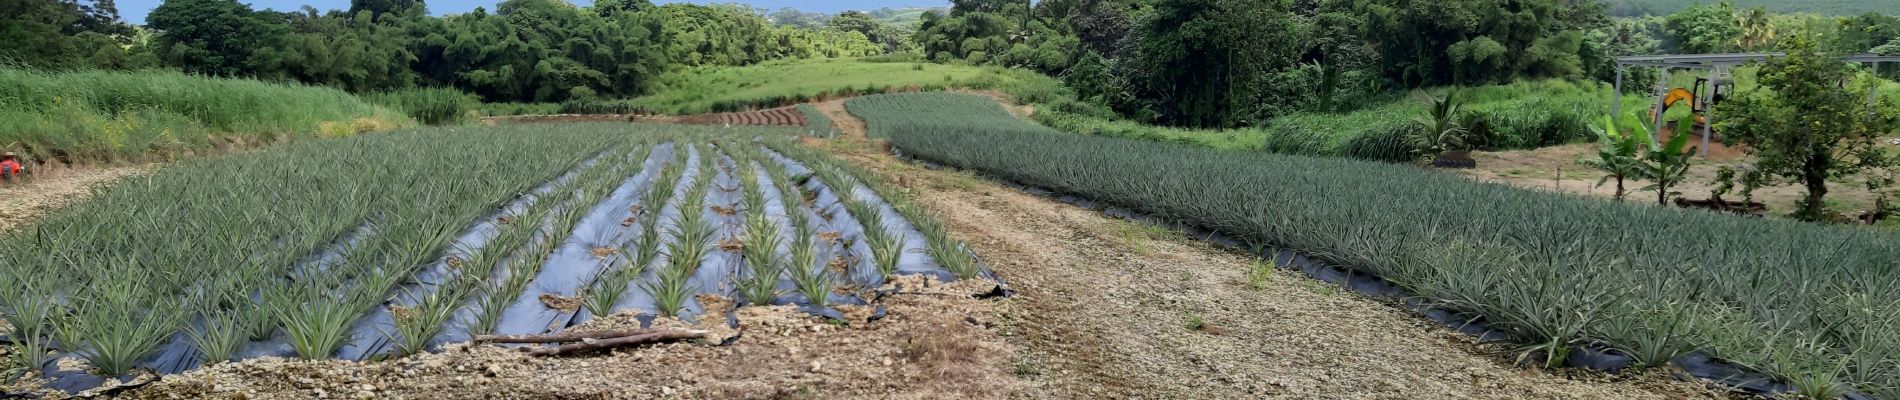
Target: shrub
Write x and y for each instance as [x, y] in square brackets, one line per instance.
[433, 106]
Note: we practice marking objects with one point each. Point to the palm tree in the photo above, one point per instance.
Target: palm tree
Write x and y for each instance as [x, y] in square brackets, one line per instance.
[1440, 132]
[1758, 30]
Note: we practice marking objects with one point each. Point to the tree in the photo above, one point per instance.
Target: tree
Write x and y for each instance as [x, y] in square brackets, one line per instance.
[1758, 30]
[1205, 63]
[32, 32]
[1710, 28]
[100, 16]
[376, 7]
[216, 37]
[1477, 41]
[1101, 24]
[959, 7]
[877, 32]
[1806, 125]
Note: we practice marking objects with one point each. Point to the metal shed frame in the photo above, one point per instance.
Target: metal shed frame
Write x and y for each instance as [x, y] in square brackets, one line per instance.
[1718, 66]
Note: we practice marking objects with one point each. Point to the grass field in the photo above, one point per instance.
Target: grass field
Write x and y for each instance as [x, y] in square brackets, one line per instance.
[1813, 306]
[131, 115]
[391, 243]
[777, 83]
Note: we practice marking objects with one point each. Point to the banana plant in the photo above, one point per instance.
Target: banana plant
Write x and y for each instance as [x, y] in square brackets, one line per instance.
[1666, 164]
[1618, 158]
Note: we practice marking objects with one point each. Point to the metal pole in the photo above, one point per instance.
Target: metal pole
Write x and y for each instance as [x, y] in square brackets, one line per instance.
[1616, 99]
[1662, 95]
[1873, 93]
[1708, 110]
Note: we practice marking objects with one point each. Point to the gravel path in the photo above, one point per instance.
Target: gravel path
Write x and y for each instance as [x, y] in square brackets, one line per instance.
[25, 202]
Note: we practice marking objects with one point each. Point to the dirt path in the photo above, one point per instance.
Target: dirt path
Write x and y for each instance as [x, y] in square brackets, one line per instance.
[848, 126]
[22, 203]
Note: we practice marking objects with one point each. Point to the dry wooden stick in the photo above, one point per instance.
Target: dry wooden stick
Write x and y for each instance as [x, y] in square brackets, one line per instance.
[655, 337]
[571, 336]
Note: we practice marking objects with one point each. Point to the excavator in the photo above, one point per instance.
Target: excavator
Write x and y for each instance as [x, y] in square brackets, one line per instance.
[1722, 87]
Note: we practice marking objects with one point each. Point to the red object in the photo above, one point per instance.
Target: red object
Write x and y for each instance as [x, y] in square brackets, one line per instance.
[10, 167]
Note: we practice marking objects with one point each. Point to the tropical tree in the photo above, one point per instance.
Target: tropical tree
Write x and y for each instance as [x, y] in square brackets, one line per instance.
[1617, 155]
[1666, 164]
[1807, 125]
[1758, 30]
[1440, 131]
[1710, 28]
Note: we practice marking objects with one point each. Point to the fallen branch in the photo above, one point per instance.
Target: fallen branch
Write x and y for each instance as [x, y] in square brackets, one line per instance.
[571, 336]
[597, 344]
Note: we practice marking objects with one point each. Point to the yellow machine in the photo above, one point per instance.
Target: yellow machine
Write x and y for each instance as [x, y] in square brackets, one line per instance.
[1721, 87]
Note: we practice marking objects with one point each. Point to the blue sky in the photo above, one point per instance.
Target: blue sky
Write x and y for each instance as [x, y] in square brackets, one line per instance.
[134, 10]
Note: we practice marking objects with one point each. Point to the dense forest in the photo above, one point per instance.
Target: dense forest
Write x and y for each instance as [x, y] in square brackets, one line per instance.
[1196, 63]
[1231, 63]
[523, 50]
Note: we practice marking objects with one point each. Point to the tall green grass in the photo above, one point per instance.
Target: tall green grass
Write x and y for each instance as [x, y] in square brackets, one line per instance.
[433, 106]
[784, 82]
[128, 115]
[1524, 115]
[1816, 306]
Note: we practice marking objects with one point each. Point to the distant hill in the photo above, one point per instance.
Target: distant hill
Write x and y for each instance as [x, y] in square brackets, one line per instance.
[909, 17]
[1824, 7]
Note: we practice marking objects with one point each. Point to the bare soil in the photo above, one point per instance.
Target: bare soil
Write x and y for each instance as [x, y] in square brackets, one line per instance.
[1557, 169]
[849, 127]
[25, 201]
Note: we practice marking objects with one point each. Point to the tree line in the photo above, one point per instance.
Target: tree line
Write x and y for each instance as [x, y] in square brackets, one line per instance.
[1234, 63]
[522, 51]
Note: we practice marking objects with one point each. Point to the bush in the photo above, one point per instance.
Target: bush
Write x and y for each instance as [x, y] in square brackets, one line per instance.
[433, 106]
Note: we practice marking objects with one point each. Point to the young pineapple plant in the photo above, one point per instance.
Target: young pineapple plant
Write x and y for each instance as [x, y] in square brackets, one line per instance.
[759, 284]
[811, 278]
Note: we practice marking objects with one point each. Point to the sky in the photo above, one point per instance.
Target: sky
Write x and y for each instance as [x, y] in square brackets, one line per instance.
[134, 11]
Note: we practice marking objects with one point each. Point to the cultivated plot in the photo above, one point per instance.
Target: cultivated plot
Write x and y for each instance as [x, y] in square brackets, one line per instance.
[390, 244]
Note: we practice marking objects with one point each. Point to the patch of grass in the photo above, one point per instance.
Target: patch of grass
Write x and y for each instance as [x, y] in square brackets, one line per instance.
[785, 82]
[107, 115]
[433, 106]
[816, 123]
[1195, 323]
[1260, 273]
[1524, 115]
